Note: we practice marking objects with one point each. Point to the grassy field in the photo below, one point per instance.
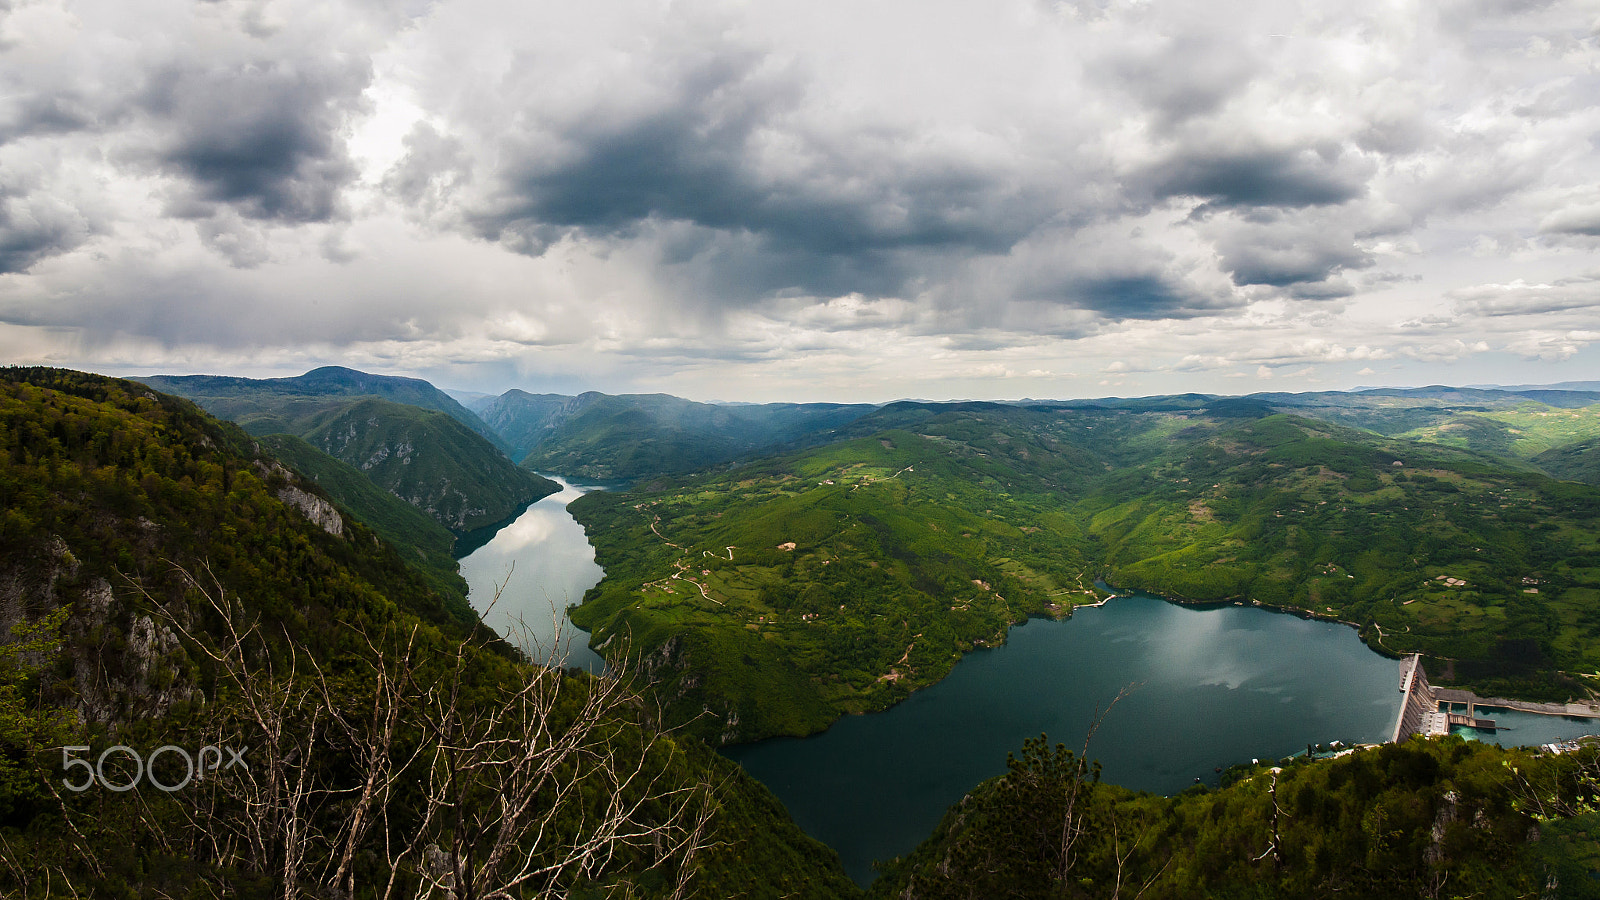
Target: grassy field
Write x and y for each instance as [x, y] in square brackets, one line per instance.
[1524, 432]
[774, 597]
[838, 580]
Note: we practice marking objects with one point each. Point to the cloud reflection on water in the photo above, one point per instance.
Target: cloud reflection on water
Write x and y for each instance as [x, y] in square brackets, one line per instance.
[539, 564]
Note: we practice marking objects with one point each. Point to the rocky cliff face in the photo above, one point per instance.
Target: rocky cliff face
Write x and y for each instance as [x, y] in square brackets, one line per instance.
[125, 664]
[319, 511]
[315, 508]
[126, 660]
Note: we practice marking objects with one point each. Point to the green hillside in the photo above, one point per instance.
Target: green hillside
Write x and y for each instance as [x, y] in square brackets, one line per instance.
[428, 460]
[621, 438]
[283, 401]
[859, 571]
[408, 437]
[1446, 553]
[409, 530]
[212, 598]
[921, 542]
[121, 482]
[1577, 461]
[1524, 432]
[1440, 818]
[522, 420]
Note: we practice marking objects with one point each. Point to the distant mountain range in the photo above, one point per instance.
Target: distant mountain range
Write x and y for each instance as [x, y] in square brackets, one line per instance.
[408, 437]
[1558, 386]
[604, 437]
[622, 438]
[269, 405]
[773, 567]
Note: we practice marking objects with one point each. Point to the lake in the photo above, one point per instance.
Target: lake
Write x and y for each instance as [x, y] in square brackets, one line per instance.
[1210, 687]
[538, 564]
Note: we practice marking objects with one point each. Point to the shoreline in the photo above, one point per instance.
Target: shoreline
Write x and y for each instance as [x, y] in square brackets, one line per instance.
[1571, 709]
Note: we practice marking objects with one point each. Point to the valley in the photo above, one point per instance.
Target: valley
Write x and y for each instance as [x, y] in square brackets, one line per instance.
[920, 543]
[815, 562]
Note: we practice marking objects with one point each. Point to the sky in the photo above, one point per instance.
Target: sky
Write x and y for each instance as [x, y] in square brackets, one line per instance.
[818, 200]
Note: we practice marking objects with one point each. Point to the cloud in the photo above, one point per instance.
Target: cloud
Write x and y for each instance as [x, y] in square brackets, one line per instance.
[1444, 351]
[1547, 345]
[1573, 220]
[1519, 298]
[1229, 178]
[643, 189]
[745, 192]
[1133, 297]
[1282, 250]
[262, 137]
[35, 115]
[35, 226]
[433, 168]
[1309, 350]
[1178, 77]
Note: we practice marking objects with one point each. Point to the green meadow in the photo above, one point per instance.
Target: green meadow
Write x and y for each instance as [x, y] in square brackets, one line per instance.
[774, 596]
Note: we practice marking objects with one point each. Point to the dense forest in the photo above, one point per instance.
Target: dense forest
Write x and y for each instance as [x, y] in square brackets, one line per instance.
[1429, 818]
[403, 434]
[170, 587]
[788, 590]
[268, 688]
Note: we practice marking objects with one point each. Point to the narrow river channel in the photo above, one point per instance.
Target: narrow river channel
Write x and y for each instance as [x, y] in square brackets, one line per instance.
[537, 565]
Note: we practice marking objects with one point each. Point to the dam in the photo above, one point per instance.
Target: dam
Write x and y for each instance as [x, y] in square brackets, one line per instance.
[1429, 710]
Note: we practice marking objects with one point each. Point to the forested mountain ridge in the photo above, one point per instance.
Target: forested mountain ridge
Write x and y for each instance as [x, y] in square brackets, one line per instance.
[408, 437]
[522, 420]
[789, 590]
[109, 488]
[268, 405]
[427, 459]
[1578, 461]
[594, 435]
[1425, 548]
[212, 598]
[403, 525]
[829, 582]
[618, 438]
[1428, 818]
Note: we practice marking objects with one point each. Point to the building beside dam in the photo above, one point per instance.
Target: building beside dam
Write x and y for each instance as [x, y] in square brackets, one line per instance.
[1430, 710]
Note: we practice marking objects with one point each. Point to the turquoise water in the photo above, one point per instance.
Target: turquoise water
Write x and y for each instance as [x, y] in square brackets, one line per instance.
[1525, 729]
[539, 564]
[1210, 687]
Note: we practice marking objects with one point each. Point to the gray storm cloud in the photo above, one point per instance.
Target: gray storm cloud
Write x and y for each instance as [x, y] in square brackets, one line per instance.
[261, 136]
[486, 182]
